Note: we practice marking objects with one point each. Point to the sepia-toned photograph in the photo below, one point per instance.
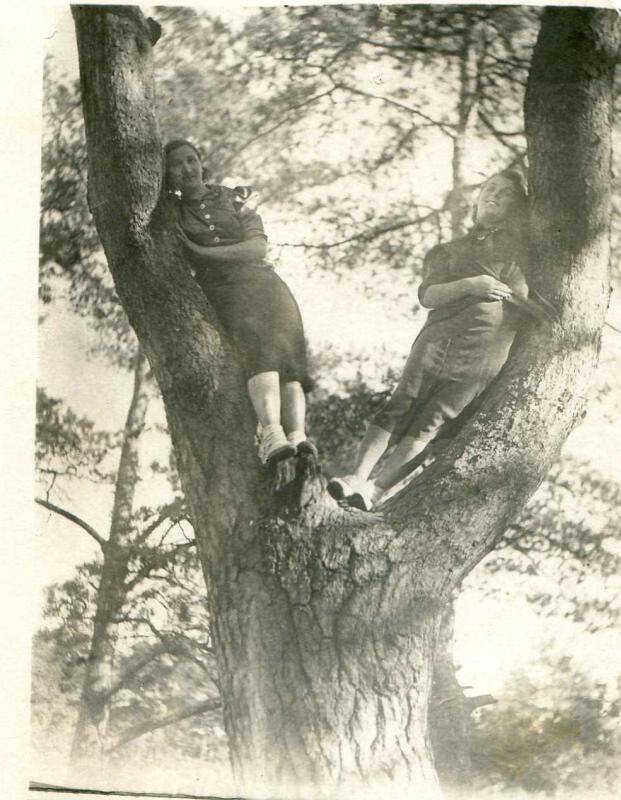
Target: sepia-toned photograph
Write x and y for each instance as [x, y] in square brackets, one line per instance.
[328, 386]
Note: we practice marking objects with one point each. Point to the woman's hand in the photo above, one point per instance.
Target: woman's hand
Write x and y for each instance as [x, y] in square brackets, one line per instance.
[514, 277]
[198, 255]
[489, 288]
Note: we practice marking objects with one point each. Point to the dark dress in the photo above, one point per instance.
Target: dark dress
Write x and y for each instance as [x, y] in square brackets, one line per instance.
[254, 306]
[463, 345]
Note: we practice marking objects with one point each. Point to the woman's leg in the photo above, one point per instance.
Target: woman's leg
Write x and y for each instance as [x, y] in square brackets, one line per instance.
[264, 391]
[447, 403]
[381, 433]
[379, 436]
[371, 449]
[293, 408]
[368, 494]
[407, 449]
[293, 418]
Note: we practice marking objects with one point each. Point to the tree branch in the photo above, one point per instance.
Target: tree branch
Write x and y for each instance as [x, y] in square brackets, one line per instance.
[73, 518]
[167, 512]
[282, 121]
[142, 728]
[391, 101]
[410, 48]
[480, 700]
[138, 666]
[368, 235]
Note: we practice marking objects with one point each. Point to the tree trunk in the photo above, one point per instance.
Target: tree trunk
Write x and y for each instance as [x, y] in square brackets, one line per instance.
[450, 720]
[466, 105]
[90, 736]
[450, 714]
[325, 621]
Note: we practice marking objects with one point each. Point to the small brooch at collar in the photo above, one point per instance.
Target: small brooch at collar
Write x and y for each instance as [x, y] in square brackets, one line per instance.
[480, 237]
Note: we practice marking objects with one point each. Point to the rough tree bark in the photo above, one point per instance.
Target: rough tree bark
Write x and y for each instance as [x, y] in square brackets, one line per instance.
[325, 621]
[90, 736]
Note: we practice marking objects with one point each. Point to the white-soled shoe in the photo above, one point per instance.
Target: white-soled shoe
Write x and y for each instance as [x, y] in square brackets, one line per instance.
[366, 497]
[274, 445]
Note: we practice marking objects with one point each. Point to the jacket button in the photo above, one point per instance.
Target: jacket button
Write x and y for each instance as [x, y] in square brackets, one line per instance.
[216, 238]
[212, 227]
[207, 216]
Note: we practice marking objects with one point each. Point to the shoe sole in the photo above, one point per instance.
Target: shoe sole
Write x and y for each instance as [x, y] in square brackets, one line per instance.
[307, 449]
[286, 451]
[356, 500]
[335, 490]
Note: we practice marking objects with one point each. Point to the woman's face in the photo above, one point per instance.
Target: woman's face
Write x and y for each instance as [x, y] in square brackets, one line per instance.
[184, 170]
[497, 200]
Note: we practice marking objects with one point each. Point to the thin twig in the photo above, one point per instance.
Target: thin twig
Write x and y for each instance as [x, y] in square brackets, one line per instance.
[444, 127]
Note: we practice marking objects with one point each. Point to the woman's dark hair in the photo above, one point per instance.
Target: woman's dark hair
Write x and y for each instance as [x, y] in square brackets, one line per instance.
[174, 144]
[517, 180]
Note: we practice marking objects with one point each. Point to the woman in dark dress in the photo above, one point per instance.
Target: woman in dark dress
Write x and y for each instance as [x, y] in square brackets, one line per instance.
[474, 287]
[226, 245]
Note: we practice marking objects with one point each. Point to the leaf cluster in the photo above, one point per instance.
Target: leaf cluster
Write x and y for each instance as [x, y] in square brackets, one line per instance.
[70, 445]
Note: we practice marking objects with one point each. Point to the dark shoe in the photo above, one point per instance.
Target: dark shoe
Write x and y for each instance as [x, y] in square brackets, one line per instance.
[337, 489]
[307, 448]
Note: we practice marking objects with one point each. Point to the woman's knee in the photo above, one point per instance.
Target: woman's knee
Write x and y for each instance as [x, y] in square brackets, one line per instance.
[393, 412]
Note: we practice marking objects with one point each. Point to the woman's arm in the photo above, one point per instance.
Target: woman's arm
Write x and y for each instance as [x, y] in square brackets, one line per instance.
[484, 287]
[246, 252]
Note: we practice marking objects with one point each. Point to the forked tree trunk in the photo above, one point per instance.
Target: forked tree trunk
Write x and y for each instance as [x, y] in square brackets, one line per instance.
[90, 739]
[325, 621]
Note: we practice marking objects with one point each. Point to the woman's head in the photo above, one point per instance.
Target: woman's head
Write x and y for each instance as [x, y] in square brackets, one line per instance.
[502, 197]
[183, 166]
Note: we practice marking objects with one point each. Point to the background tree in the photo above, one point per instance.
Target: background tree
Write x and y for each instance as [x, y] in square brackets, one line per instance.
[73, 268]
[129, 626]
[556, 731]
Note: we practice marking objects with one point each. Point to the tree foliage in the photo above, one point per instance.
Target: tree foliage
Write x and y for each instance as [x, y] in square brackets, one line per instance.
[556, 731]
[70, 445]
